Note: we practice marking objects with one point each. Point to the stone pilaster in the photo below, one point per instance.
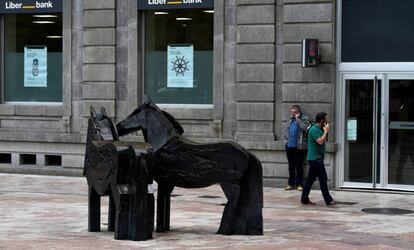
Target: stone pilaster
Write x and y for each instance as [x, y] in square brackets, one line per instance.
[98, 61]
[255, 73]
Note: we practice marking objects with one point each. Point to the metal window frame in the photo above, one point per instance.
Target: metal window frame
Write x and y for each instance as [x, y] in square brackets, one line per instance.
[66, 20]
[141, 50]
[387, 71]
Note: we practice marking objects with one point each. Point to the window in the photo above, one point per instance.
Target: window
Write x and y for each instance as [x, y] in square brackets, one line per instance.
[179, 56]
[377, 31]
[33, 57]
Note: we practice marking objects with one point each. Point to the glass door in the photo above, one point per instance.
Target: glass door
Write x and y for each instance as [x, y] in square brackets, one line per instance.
[362, 128]
[401, 132]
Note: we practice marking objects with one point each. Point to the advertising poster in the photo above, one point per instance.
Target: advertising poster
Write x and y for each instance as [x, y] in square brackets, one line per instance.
[180, 66]
[35, 66]
[351, 134]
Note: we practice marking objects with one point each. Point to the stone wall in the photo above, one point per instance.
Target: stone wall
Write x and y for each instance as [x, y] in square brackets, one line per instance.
[312, 88]
[270, 78]
[257, 77]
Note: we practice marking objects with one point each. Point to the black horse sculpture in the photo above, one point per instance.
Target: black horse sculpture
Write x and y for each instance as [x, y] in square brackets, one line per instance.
[100, 128]
[118, 170]
[177, 161]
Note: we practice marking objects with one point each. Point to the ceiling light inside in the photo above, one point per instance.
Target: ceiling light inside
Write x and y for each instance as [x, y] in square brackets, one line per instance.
[43, 22]
[183, 19]
[45, 16]
[54, 37]
[209, 11]
[161, 13]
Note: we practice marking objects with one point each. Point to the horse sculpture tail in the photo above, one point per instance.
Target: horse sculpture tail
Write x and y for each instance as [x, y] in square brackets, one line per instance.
[249, 218]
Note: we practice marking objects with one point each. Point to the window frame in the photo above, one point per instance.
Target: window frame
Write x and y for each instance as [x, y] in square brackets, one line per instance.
[62, 108]
[212, 111]
[66, 63]
[173, 104]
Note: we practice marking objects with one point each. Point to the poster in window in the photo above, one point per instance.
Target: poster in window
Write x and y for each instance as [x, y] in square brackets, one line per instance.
[180, 66]
[35, 66]
[351, 134]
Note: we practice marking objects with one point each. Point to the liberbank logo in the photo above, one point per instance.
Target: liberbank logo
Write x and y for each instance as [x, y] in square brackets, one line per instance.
[30, 6]
[150, 2]
[36, 5]
[174, 4]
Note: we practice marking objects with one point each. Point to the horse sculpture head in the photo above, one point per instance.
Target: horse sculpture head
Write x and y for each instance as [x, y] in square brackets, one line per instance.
[157, 126]
[101, 126]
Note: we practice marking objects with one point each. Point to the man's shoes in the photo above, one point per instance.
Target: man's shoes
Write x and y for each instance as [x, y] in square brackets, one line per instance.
[288, 187]
[332, 203]
[300, 188]
[308, 202]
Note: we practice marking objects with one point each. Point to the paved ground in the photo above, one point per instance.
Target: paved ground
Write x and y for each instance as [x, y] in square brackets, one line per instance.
[46, 212]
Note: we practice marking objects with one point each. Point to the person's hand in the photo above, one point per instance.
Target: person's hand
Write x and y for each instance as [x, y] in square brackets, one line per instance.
[297, 115]
[326, 128]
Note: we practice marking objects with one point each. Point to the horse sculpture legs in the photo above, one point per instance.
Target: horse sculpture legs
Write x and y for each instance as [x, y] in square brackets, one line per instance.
[134, 205]
[243, 212]
[248, 219]
[111, 214]
[232, 192]
[94, 211]
[163, 207]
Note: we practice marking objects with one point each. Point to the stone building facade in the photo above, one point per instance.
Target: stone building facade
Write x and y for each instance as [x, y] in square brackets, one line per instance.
[257, 76]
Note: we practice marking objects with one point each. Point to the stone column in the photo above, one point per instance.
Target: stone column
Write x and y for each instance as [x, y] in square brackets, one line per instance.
[229, 73]
[255, 73]
[98, 64]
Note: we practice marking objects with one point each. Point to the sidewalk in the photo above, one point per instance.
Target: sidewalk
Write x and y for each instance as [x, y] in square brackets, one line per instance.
[48, 212]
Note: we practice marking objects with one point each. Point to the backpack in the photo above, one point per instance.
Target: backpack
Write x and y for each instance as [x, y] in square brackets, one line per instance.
[306, 134]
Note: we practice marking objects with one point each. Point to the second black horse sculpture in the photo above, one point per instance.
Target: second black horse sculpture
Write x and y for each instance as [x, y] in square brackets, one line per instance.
[176, 161]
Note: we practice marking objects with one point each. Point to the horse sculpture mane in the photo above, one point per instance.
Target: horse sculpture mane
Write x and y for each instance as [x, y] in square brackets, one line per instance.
[178, 162]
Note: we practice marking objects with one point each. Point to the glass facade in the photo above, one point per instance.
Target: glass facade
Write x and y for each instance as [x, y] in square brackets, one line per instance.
[401, 133]
[359, 151]
[33, 57]
[179, 56]
[387, 24]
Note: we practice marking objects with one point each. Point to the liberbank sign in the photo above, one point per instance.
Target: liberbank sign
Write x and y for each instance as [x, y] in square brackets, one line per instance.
[30, 6]
[175, 4]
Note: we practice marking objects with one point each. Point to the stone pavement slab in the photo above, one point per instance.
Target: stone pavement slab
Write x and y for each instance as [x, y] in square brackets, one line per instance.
[48, 212]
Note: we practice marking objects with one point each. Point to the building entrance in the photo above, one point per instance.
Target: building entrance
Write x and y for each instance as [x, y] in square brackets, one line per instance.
[377, 131]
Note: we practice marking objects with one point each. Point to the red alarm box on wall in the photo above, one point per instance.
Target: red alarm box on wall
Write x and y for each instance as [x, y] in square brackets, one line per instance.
[310, 53]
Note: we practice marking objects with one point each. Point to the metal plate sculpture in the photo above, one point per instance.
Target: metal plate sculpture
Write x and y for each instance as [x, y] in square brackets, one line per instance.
[176, 161]
[119, 170]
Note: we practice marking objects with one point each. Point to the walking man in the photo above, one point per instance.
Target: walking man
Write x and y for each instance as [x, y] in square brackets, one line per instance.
[295, 140]
[317, 137]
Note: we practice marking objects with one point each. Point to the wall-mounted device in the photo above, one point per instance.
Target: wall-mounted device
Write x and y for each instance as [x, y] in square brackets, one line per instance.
[310, 53]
